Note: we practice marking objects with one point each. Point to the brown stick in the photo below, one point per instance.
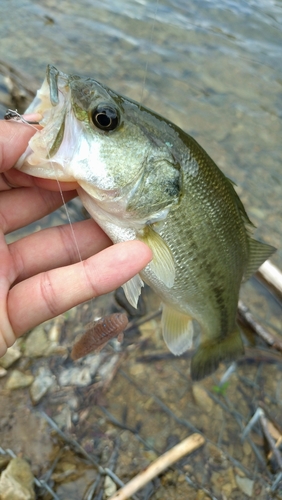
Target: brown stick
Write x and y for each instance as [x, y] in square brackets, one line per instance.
[189, 444]
[257, 328]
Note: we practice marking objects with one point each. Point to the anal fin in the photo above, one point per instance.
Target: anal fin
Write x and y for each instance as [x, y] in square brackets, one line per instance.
[177, 330]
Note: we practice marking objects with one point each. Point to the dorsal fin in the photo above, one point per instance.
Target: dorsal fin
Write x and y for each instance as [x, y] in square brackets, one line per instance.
[162, 264]
[177, 330]
[258, 253]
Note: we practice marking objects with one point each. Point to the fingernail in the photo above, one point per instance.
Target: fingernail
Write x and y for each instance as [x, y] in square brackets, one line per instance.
[32, 117]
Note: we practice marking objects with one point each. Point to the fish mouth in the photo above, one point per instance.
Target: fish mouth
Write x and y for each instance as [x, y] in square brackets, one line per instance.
[52, 102]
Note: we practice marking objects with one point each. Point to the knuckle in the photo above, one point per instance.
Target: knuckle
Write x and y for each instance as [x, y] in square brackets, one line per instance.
[48, 294]
[88, 271]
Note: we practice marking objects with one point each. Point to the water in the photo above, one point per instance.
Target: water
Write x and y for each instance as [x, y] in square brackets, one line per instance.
[215, 69]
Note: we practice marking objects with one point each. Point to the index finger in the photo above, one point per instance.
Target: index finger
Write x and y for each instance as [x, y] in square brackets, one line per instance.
[14, 137]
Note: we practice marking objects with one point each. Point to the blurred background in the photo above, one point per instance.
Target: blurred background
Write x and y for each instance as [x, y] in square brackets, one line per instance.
[215, 69]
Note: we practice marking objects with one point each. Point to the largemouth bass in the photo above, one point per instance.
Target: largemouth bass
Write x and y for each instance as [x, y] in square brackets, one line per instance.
[141, 177]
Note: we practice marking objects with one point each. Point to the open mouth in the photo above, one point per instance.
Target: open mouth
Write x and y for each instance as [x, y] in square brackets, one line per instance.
[50, 104]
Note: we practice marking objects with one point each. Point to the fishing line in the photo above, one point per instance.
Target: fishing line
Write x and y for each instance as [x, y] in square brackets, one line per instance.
[150, 42]
[53, 164]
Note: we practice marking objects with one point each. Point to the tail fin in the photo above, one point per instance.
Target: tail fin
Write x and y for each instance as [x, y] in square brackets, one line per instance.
[211, 352]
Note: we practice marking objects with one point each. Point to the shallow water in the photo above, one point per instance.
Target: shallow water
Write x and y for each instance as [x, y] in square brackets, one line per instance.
[215, 69]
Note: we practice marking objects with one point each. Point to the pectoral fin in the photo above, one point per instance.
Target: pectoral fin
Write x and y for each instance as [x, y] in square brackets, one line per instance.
[177, 330]
[259, 252]
[162, 264]
[132, 290]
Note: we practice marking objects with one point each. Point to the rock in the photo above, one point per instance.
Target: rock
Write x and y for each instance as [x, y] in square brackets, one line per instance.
[18, 380]
[63, 419]
[12, 354]
[54, 333]
[105, 370]
[16, 482]
[3, 372]
[82, 373]
[109, 487]
[75, 376]
[42, 383]
[202, 399]
[37, 343]
[246, 485]
[94, 361]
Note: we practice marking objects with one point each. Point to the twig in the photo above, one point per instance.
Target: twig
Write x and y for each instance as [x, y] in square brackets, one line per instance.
[184, 422]
[257, 328]
[251, 423]
[76, 446]
[270, 439]
[271, 274]
[140, 321]
[260, 415]
[134, 431]
[225, 377]
[275, 484]
[93, 487]
[187, 446]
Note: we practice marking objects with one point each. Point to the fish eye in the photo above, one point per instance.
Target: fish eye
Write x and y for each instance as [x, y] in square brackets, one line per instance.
[105, 117]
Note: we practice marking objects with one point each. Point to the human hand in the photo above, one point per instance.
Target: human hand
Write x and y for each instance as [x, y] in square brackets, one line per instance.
[41, 275]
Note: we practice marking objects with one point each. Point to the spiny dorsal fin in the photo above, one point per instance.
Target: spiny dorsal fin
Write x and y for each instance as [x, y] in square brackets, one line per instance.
[258, 253]
[162, 264]
[132, 290]
[177, 330]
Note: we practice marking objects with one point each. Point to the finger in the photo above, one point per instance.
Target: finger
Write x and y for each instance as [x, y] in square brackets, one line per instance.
[19, 207]
[51, 293]
[56, 247]
[15, 178]
[7, 276]
[14, 137]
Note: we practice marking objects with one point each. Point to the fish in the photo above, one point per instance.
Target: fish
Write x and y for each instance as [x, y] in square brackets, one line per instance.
[143, 178]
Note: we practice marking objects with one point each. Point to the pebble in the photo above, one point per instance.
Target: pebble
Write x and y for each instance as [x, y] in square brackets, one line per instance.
[12, 354]
[19, 380]
[202, 399]
[16, 482]
[75, 376]
[54, 333]
[63, 419]
[109, 487]
[42, 383]
[3, 372]
[93, 362]
[37, 343]
[245, 484]
[106, 368]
